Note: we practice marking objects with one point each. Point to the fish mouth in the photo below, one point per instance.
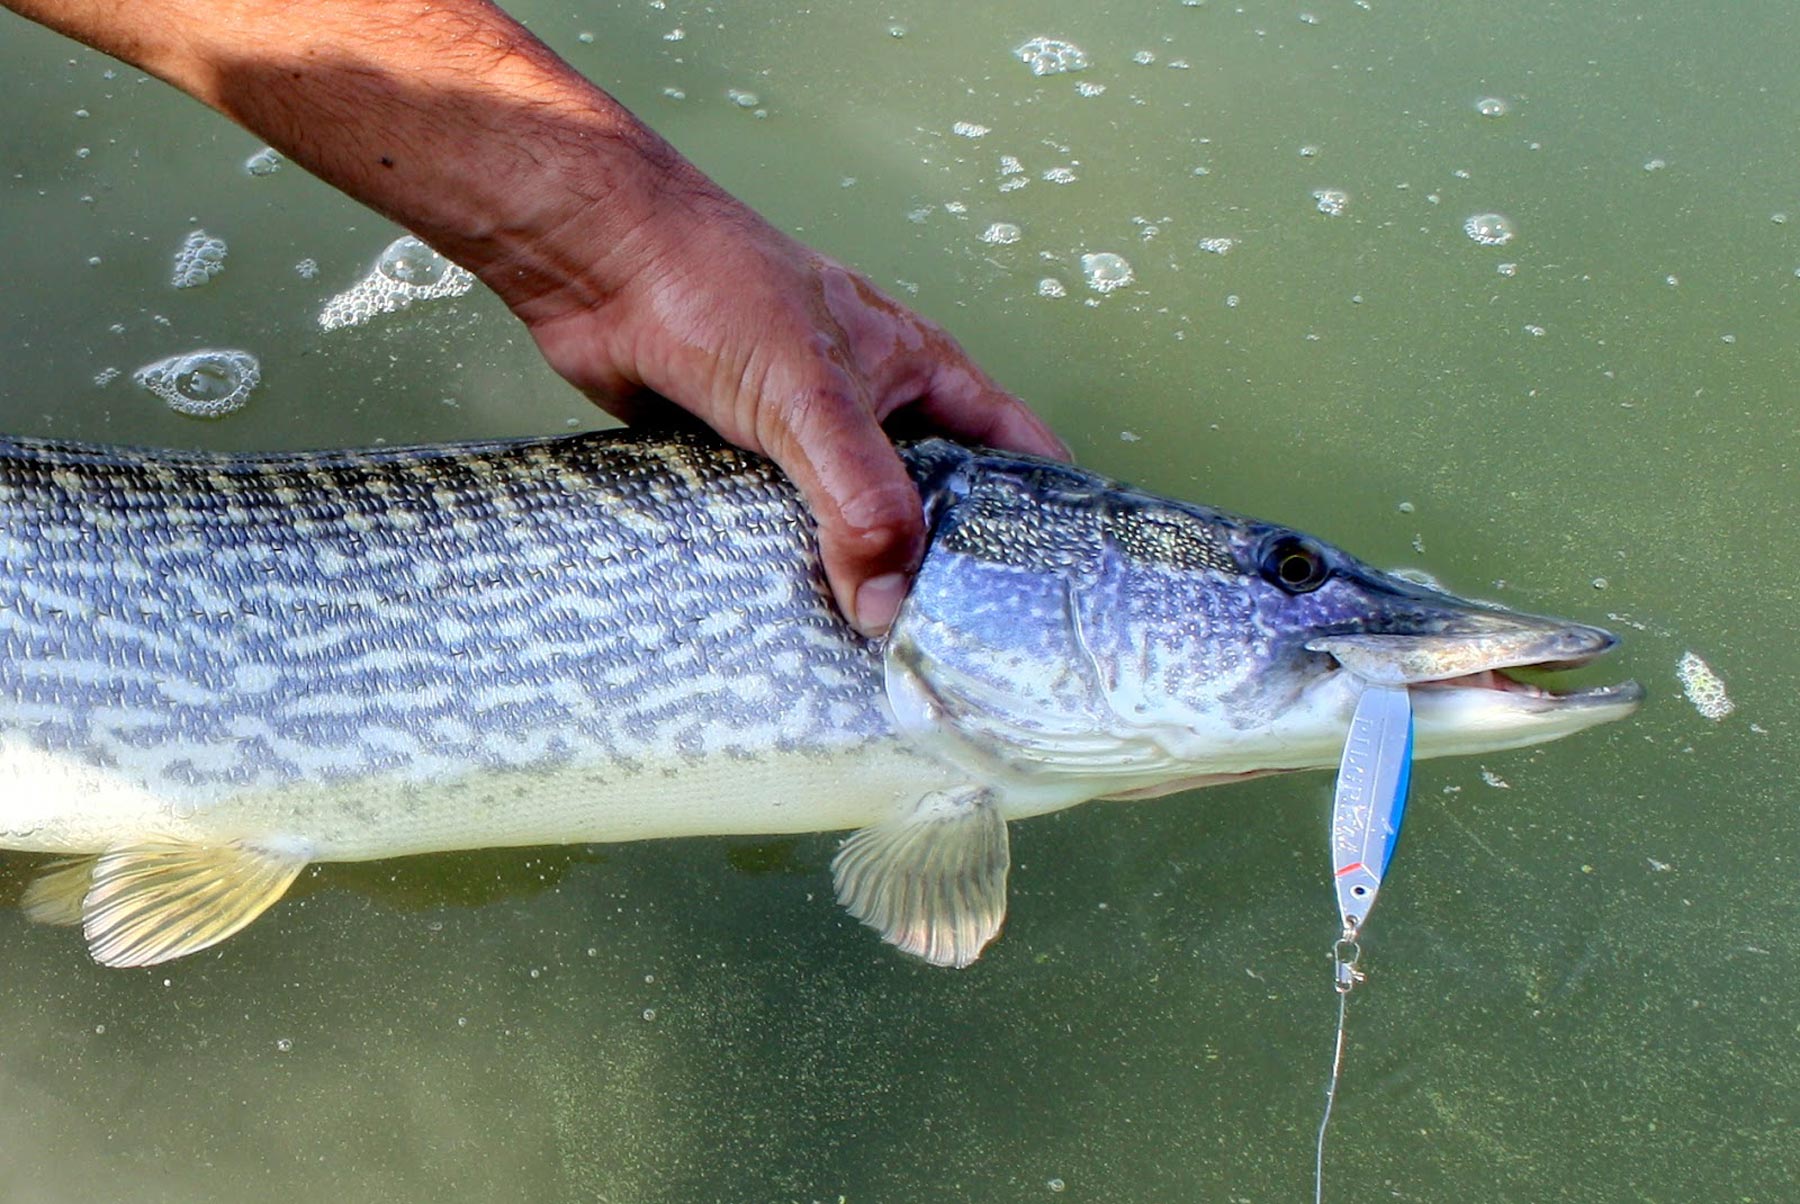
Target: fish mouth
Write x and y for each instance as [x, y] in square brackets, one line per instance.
[1467, 692]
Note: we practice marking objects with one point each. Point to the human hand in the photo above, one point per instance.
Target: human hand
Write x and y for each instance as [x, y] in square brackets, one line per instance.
[785, 352]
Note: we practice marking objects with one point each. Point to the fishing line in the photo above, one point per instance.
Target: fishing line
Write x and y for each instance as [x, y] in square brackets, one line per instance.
[1337, 1063]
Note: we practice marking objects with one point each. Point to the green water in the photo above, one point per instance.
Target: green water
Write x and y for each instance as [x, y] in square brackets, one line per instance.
[1584, 974]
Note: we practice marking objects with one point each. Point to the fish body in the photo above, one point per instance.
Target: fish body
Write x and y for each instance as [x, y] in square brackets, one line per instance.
[216, 669]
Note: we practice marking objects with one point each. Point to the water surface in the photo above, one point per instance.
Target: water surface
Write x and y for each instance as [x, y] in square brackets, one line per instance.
[1583, 975]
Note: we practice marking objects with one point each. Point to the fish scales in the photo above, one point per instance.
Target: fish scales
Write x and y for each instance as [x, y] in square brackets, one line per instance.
[217, 669]
[220, 627]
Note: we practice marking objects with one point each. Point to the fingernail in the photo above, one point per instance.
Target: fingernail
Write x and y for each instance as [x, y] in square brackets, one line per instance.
[878, 601]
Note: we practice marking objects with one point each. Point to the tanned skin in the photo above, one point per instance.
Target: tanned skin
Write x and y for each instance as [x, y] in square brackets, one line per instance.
[639, 277]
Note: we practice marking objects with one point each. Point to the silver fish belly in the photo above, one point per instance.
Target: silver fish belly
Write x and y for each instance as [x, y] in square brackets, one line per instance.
[216, 669]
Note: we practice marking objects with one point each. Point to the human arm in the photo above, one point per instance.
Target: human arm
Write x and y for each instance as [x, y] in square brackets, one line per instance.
[635, 273]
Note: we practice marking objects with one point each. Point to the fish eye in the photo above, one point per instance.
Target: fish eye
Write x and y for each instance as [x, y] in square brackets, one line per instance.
[1295, 565]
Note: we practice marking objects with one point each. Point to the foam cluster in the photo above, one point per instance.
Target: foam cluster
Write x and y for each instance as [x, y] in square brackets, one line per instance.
[202, 384]
[202, 256]
[407, 271]
[1051, 56]
[1703, 687]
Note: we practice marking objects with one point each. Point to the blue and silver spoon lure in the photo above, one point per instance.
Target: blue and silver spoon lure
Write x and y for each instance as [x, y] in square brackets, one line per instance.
[1366, 811]
[1373, 775]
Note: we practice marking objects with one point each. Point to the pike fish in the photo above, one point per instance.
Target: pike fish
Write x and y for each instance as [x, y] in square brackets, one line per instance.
[217, 669]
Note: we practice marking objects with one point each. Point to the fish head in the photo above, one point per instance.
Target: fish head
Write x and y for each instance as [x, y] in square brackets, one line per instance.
[1068, 636]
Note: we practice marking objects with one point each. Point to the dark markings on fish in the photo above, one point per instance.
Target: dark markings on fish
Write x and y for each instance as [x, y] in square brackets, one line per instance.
[1012, 520]
[1168, 537]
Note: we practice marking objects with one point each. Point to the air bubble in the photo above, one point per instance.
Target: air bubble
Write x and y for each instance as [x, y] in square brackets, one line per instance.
[1106, 271]
[106, 376]
[969, 129]
[307, 269]
[1050, 286]
[202, 384]
[1002, 234]
[1144, 58]
[1217, 246]
[1655, 164]
[1051, 56]
[284, 1044]
[1087, 88]
[265, 162]
[200, 259]
[1491, 106]
[406, 271]
[1489, 229]
[409, 261]
[742, 99]
[1507, 269]
[1331, 201]
[1061, 175]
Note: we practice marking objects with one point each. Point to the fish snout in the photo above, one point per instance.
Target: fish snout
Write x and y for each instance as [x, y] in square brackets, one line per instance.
[1463, 642]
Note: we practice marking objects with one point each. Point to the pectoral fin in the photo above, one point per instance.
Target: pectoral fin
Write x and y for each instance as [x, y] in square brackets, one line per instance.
[932, 881]
[150, 903]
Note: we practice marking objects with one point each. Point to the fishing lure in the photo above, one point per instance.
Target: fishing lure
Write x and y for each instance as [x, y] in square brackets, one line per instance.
[1373, 775]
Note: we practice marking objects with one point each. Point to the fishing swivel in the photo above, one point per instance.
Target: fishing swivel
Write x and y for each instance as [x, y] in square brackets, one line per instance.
[1344, 955]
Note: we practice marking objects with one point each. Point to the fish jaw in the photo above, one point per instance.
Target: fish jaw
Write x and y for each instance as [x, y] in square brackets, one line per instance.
[1464, 716]
[1454, 656]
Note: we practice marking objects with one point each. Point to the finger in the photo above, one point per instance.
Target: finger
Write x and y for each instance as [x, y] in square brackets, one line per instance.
[633, 407]
[962, 402]
[871, 525]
